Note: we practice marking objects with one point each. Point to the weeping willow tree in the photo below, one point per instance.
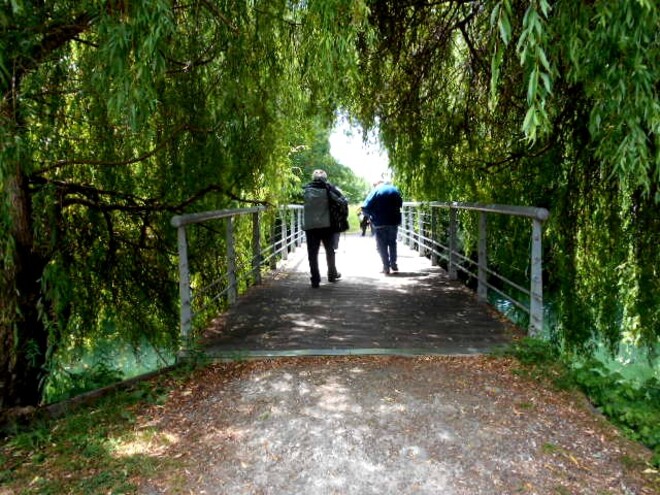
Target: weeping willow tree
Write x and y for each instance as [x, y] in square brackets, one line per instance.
[115, 115]
[551, 104]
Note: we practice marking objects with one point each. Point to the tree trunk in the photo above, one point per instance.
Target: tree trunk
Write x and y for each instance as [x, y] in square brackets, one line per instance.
[23, 336]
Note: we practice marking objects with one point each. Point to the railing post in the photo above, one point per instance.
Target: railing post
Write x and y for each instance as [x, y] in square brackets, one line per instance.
[273, 243]
[299, 235]
[434, 227]
[283, 236]
[292, 226]
[420, 232]
[184, 287]
[451, 268]
[482, 287]
[232, 292]
[411, 228]
[536, 289]
[256, 248]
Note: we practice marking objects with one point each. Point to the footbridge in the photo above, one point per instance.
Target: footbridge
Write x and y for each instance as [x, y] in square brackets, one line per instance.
[245, 289]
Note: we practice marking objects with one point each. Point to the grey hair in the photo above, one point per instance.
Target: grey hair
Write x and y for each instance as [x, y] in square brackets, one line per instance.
[319, 174]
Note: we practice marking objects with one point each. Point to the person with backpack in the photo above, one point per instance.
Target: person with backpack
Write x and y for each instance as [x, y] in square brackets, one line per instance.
[319, 226]
[383, 205]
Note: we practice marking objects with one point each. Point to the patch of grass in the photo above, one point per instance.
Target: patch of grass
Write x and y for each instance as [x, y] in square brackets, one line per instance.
[64, 384]
[633, 407]
[88, 451]
[550, 448]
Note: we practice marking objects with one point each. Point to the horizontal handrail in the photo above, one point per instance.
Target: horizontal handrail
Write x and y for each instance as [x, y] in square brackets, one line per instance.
[190, 218]
[513, 210]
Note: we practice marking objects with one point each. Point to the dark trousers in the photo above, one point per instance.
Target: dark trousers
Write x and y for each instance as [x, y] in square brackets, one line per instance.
[316, 237]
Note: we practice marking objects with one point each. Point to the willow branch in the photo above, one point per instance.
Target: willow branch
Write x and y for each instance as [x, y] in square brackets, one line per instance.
[106, 163]
[92, 197]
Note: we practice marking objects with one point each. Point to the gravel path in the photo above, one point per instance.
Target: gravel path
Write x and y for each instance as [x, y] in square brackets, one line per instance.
[381, 425]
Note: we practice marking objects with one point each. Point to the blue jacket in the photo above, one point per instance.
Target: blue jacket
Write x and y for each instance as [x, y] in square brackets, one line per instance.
[383, 205]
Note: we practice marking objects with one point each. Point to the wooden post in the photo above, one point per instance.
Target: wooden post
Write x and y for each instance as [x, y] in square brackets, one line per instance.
[184, 287]
[232, 291]
[452, 244]
[256, 248]
[536, 289]
[482, 288]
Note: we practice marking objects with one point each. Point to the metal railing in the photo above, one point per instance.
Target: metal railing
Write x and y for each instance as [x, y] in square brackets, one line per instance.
[275, 233]
[424, 230]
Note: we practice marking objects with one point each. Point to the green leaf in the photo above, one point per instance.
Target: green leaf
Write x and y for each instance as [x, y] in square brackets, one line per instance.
[505, 29]
[532, 85]
[547, 82]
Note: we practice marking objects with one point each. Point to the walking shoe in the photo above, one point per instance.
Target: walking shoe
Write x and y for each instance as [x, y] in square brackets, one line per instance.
[335, 277]
[386, 270]
[315, 285]
[395, 268]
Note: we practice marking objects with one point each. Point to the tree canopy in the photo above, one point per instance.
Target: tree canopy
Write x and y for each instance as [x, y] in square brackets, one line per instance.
[116, 115]
[552, 104]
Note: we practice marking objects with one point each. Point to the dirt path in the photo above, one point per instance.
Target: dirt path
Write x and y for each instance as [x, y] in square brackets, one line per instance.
[381, 425]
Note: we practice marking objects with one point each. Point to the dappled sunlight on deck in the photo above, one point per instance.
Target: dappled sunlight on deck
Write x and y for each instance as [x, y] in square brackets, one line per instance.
[416, 311]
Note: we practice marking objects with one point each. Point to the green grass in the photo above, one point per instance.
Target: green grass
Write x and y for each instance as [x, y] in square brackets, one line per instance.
[88, 451]
[631, 403]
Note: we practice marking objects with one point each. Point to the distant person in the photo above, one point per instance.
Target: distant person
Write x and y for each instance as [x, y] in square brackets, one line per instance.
[383, 206]
[317, 227]
[364, 221]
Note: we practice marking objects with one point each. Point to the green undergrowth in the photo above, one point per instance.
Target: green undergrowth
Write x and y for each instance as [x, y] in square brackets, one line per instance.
[632, 405]
[92, 449]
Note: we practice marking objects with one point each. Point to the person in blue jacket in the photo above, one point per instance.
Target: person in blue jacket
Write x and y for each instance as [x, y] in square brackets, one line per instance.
[383, 205]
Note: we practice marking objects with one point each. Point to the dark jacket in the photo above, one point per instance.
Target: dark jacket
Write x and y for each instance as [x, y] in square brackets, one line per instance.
[383, 205]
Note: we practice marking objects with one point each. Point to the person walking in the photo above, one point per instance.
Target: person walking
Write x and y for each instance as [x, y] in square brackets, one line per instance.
[317, 226]
[383, 205]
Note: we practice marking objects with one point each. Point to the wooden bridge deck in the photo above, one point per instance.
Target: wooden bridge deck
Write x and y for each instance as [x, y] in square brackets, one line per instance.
[416, 311]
